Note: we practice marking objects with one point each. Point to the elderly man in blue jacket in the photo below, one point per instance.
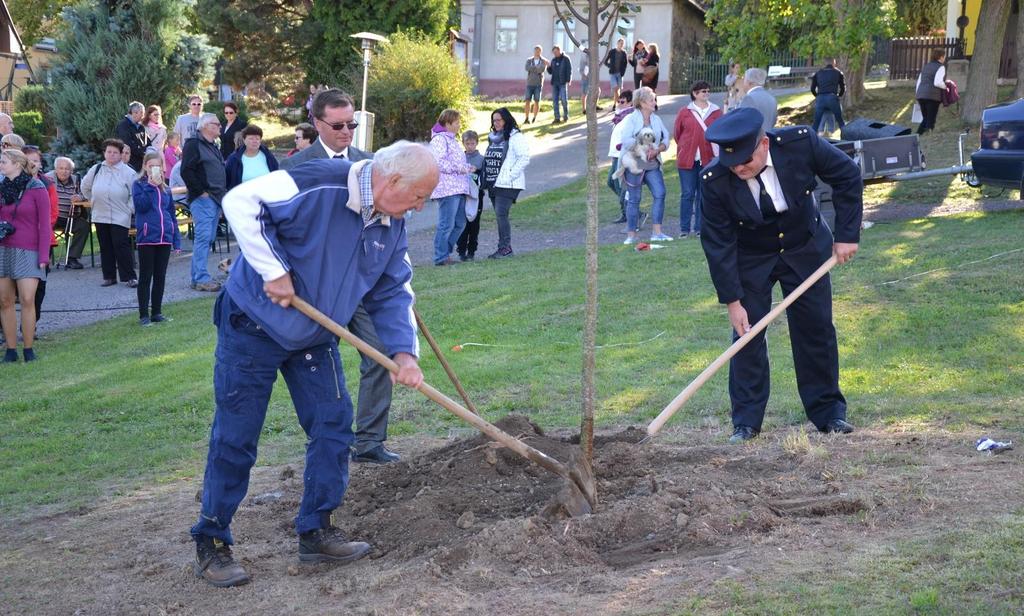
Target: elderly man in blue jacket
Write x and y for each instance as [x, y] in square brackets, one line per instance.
[329, 231]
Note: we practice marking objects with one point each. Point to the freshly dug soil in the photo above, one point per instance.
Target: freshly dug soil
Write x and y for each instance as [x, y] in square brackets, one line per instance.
[461, 527]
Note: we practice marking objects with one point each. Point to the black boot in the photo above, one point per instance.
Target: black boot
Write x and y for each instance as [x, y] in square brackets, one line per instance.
[329, 544]
[215, 564]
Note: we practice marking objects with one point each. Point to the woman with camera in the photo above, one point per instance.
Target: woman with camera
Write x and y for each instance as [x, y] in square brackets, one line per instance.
[24, 248]
[108, 186]
[156, 233]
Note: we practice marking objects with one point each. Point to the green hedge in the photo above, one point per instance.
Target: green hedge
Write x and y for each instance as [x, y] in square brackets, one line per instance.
[29, 126]
[33, 98]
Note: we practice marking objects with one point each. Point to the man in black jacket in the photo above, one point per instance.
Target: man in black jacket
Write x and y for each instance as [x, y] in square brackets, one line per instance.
[761, 226]
[616, 63]
[560, 70]
[133, 134]
[828, 85]
[202, 169]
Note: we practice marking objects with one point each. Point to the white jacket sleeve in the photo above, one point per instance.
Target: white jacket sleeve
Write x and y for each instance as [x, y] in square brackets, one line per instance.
[940, 78]
[252, 224]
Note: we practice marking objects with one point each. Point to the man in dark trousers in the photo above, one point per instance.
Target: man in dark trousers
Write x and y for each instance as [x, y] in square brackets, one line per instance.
[334, 117]
[828, 85]
[560, 69]
[761, 226]
[133, 134]
[331, 232]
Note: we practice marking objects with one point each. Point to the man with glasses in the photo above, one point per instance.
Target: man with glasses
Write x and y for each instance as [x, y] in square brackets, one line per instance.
[187, 124]
[202, 168]
[334, 119]
[761, 225]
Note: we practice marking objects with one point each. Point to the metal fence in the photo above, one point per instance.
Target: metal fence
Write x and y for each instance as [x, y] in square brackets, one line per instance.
[908, 55]
[713, 69]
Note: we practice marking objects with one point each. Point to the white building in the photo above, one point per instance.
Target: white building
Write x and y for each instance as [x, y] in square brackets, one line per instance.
[509, 29]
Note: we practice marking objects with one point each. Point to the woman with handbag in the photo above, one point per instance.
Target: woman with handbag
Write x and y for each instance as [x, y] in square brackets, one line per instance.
[636, 60]
[693, 152]
[650, 63]
[25, 233]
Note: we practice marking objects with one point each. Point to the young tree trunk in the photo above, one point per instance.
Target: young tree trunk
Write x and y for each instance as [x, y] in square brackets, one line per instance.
[988, 44]
[1018, 92]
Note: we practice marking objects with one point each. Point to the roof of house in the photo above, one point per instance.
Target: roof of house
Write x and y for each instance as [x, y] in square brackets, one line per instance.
[6, 14]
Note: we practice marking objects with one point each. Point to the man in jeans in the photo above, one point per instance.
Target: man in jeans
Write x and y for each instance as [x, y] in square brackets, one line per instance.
[560, 70]
[202, 168]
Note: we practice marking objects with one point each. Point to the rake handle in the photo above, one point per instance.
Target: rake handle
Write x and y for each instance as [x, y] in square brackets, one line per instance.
[678, 402]
[444, 362]
[489, 429]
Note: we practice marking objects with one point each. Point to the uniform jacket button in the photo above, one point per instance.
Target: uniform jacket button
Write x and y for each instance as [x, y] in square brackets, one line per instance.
[308, 356]
[782, 235]
[782, 250]
[807, 192]
[741, 223]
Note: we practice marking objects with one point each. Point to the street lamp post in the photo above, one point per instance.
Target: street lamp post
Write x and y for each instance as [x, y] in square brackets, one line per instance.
[367, 41]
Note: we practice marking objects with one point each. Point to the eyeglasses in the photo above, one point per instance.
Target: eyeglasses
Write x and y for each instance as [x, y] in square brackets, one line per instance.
[702, 92]
[228, 112]
[341, 125]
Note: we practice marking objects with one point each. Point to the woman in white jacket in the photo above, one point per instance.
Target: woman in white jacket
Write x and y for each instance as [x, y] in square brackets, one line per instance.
[109, 186]
[504, 176]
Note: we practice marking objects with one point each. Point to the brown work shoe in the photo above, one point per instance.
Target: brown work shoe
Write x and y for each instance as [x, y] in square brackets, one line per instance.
[210, 286]
[215, 564]
[329, 544]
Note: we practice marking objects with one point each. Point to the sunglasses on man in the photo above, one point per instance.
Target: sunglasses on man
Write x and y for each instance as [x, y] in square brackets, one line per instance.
[341, 125]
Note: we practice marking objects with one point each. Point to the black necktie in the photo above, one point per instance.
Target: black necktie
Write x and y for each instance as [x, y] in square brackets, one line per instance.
[341, 156]
[765, 202]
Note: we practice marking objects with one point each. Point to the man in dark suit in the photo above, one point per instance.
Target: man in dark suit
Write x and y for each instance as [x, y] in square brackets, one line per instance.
[334, 118]
[761, 226]
[828, 86]
[133, 134]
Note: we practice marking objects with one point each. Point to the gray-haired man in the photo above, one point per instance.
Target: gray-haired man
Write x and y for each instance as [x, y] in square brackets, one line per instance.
[133, 134]
[202, 168]
[759, 98]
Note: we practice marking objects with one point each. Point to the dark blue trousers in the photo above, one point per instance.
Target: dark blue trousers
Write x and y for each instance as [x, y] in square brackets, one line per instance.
[246, 366]
[815, 352]
[827, 102]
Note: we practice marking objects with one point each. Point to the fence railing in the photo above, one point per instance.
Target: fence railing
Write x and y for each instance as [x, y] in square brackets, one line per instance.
[713, 69]
[908, 55]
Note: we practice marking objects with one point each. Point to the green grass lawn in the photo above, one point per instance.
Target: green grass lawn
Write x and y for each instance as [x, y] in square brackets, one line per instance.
[111, 406]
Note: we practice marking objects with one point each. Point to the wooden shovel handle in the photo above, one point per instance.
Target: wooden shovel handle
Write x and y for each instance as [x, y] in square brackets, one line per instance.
[489, 429]
[741, 342]
[444, 362]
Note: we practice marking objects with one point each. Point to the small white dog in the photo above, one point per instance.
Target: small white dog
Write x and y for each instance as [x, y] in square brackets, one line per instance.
[631, 159]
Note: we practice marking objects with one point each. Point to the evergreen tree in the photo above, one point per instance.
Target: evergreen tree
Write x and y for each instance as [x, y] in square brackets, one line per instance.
[114, 52]
[334, 58]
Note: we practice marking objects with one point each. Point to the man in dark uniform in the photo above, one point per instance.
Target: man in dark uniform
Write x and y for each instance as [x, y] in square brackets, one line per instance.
[828, 85]
[762, 226]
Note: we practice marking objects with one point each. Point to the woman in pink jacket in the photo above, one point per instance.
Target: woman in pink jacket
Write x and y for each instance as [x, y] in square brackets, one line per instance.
[24, 248]
[693, 152]
[452, 187]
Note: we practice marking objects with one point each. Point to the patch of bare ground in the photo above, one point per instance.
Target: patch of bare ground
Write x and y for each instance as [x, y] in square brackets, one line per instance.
[458, 526]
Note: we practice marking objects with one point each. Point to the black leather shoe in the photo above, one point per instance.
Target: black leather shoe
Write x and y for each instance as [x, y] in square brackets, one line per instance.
[378, 455]
[74, 264]
[840, 426]
[742, 434]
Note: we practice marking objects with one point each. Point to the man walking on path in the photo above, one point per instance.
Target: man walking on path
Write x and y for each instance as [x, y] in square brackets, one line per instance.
[616, 63]
[828, 85]
[535, 67]
[761, 225]
[202, 169]
[560, 70]
[333, 233]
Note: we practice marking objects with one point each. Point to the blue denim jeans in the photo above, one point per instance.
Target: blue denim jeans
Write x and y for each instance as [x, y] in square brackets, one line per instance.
[559, 93]
[827, 102]
[205, 216]
[634, 185]
[451, 220]
[246, 364]
[690, 198]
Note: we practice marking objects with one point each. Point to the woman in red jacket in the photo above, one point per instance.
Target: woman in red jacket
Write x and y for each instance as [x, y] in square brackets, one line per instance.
[693, 152]
[24, 248]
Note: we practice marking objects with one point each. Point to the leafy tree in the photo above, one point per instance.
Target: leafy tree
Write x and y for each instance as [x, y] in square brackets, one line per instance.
[262, 40]
[749, 31]
[36, 19]
[115, 52]
[920, 17]
[413, 79]
[333, 57]
[988, 44]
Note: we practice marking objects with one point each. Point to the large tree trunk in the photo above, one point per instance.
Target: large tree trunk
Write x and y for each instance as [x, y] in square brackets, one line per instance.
[855, 72]
[1018, 92]
[988, 45]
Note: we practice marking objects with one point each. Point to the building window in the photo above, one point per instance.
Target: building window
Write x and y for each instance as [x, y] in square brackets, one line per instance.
[625, 29]
[562, 40]
[505, 34]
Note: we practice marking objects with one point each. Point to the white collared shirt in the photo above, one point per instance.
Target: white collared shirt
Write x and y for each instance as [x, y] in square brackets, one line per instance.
[331, 153]
[771, 184]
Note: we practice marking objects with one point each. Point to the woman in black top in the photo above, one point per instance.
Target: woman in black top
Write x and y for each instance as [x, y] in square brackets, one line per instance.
[650, 72]
[231, 126]
[636, 58]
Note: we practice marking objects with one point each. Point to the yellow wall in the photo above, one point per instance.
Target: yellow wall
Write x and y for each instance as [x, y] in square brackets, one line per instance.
[973, 10]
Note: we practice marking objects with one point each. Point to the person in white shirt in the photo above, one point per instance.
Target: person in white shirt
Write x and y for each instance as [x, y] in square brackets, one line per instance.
[186, 123]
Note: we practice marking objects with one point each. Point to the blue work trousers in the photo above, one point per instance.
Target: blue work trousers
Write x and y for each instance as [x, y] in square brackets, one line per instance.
[245, 368]
[205, 216]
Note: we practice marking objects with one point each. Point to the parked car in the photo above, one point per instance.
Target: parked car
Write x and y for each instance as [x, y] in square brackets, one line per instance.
[1000, 159]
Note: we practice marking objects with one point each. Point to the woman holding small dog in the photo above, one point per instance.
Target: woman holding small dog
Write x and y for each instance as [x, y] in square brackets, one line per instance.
[693, 152]
[649, 166]
[24, 247]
